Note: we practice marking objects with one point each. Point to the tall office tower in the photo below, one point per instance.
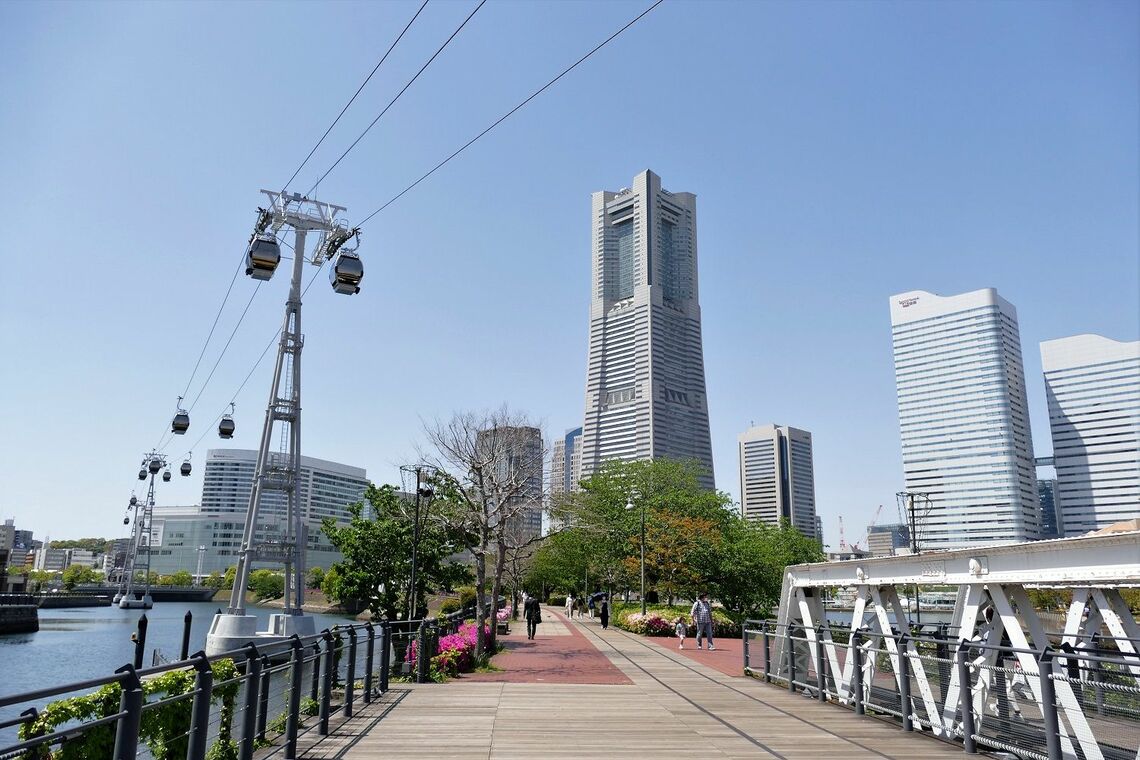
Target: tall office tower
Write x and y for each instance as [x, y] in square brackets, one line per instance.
[645, 375]
[777, 481]
[519, 455]
[1047, 502]
[566, 462]
[966, 445]
[1093, 387]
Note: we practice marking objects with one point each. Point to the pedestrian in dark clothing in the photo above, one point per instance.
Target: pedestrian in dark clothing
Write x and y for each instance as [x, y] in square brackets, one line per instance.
[533, 614]
[604, 613]
[702, 619]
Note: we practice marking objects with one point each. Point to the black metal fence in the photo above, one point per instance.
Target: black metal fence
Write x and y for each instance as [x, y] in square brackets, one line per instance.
[1072, 702]
[228, 704]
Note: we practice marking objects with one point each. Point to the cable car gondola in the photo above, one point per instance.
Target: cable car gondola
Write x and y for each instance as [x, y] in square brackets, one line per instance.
[134, 500]
[346, 274]
[166, 476]
[262, 257]
[154, 466]
[226, 425]
[126, 521]
[181, 422]
[185, 469]
[142, 474]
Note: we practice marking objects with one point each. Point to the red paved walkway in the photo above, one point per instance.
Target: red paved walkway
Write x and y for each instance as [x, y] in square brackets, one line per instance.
[563, 655]
[728, 657]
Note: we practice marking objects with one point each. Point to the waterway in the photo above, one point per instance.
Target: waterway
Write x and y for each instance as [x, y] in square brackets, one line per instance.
[88, 642]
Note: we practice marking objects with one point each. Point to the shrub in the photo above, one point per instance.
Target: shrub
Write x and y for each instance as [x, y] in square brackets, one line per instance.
[455, 653]
[556, 601]
[659, 620]
[466, 596]
[449, 606]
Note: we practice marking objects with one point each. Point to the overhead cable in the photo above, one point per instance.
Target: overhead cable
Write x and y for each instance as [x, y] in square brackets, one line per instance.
[398, 94]
[509, 113]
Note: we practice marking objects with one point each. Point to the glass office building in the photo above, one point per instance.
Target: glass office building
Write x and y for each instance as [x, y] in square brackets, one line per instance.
[966, 447]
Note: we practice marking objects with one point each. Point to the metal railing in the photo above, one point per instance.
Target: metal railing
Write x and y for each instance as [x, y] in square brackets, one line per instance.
[294, 679]
[1052, 703]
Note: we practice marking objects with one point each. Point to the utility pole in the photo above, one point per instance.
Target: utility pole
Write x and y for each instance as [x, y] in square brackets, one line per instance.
[906, 499]
[280, 471]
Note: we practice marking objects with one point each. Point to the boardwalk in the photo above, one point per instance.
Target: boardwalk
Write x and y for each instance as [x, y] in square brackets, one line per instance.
[633, 698]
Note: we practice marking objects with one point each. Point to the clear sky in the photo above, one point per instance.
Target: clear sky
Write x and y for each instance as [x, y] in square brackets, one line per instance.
[840, 152]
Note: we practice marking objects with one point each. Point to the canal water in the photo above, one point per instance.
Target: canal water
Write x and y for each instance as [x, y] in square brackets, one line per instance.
[88, 642]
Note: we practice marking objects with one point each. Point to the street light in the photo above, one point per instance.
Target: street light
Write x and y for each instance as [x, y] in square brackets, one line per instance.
[198, 576]
[629, 505]
[424, 490]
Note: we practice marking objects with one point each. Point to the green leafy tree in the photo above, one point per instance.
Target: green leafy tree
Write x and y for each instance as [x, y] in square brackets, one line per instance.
[182, 578]
[315, 577]
[752, 559]
[230, 578]
[377, 550]
[96, 545]
[214, 580]
[76, 575]
[266, 583]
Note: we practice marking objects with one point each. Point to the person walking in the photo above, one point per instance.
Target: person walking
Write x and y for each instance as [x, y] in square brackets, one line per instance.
[570, 605]
[679, 629]
[702, 619]
[604, 613]
[533, 614]
[590, 604]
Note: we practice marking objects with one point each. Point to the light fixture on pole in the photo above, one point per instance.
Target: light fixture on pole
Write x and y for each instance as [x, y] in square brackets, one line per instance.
[629, 505]
[425, 492]
[198, 575]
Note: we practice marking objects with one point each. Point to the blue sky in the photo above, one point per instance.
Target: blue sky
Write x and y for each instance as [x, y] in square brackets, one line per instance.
[840, 153]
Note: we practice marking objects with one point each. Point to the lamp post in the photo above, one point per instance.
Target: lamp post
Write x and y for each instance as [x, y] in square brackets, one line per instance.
[425, 491]
[629, 505]
[198, 575]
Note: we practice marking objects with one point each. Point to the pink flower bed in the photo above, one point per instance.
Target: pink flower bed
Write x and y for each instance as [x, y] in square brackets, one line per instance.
[456, 652]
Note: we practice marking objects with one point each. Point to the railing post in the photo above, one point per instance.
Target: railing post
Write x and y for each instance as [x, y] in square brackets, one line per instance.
[249, 714]
[127, 731]
[820, 668]
[350, 678]
[199, 739]
[315, 689]
[293, 713]
[385, 654]
[791, 649]
[943, 654]
[263, 699]
[904, 683]
[856, 655]
[744, 646]
[326, 691]
[965, 698]
[184, 652]
[369, 647]
[1049, 704]
[421, 654]
[1097, 674]
[767, 652]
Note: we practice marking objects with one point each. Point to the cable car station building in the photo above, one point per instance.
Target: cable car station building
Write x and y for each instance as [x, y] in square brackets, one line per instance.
[326, 489]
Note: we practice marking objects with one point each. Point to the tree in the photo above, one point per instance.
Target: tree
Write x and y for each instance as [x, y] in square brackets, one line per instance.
[315, 577]
[230, 578]
[266, 583]
[182, 578]
[487, 467]
[214, 580]
[753, 557]
[377, 550]
[95, 545]
[681, 554]
[79, 574]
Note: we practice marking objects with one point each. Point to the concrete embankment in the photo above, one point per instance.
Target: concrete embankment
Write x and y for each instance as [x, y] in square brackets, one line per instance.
[58, 601]
[19, 618]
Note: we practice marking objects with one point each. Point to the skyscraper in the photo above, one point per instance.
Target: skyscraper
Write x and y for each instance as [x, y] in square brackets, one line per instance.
[566, 462]
[645, 376]
[777, 479]
[1047, 501]
[1093, 388]
[517, 451]
[963, 418]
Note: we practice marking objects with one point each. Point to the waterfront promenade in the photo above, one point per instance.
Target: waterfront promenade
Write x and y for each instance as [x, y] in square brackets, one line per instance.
[577, 691]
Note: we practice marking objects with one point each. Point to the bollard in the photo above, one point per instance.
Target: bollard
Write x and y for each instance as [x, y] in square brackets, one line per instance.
[904, 684]
[185, 651]
[140, 641]
[1049, 704]
[368, 662]
[199, 740]
[263, 700]
[965, 699]
[767, 652]
[127, 730]
[315, 692]
[326, 691]
[350, 678]
[820, 672]
[293, 713]
[385, 655]
[856, 653]
[791, 648]
[249, 715]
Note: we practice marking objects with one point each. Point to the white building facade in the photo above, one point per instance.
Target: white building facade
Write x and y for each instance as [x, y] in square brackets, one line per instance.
[964, 419]
[777, 477]
[1092, 384]
[645, 377]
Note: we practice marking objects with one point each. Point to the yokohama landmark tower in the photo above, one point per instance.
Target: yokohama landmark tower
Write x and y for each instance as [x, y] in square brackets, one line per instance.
[645, 377]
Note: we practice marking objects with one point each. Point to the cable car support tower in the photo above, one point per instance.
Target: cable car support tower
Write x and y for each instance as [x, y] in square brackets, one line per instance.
[279, 471]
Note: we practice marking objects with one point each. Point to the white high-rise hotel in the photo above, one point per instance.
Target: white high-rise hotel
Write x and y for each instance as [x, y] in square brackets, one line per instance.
[964, 419]
[645, 379]
[1093, 388]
